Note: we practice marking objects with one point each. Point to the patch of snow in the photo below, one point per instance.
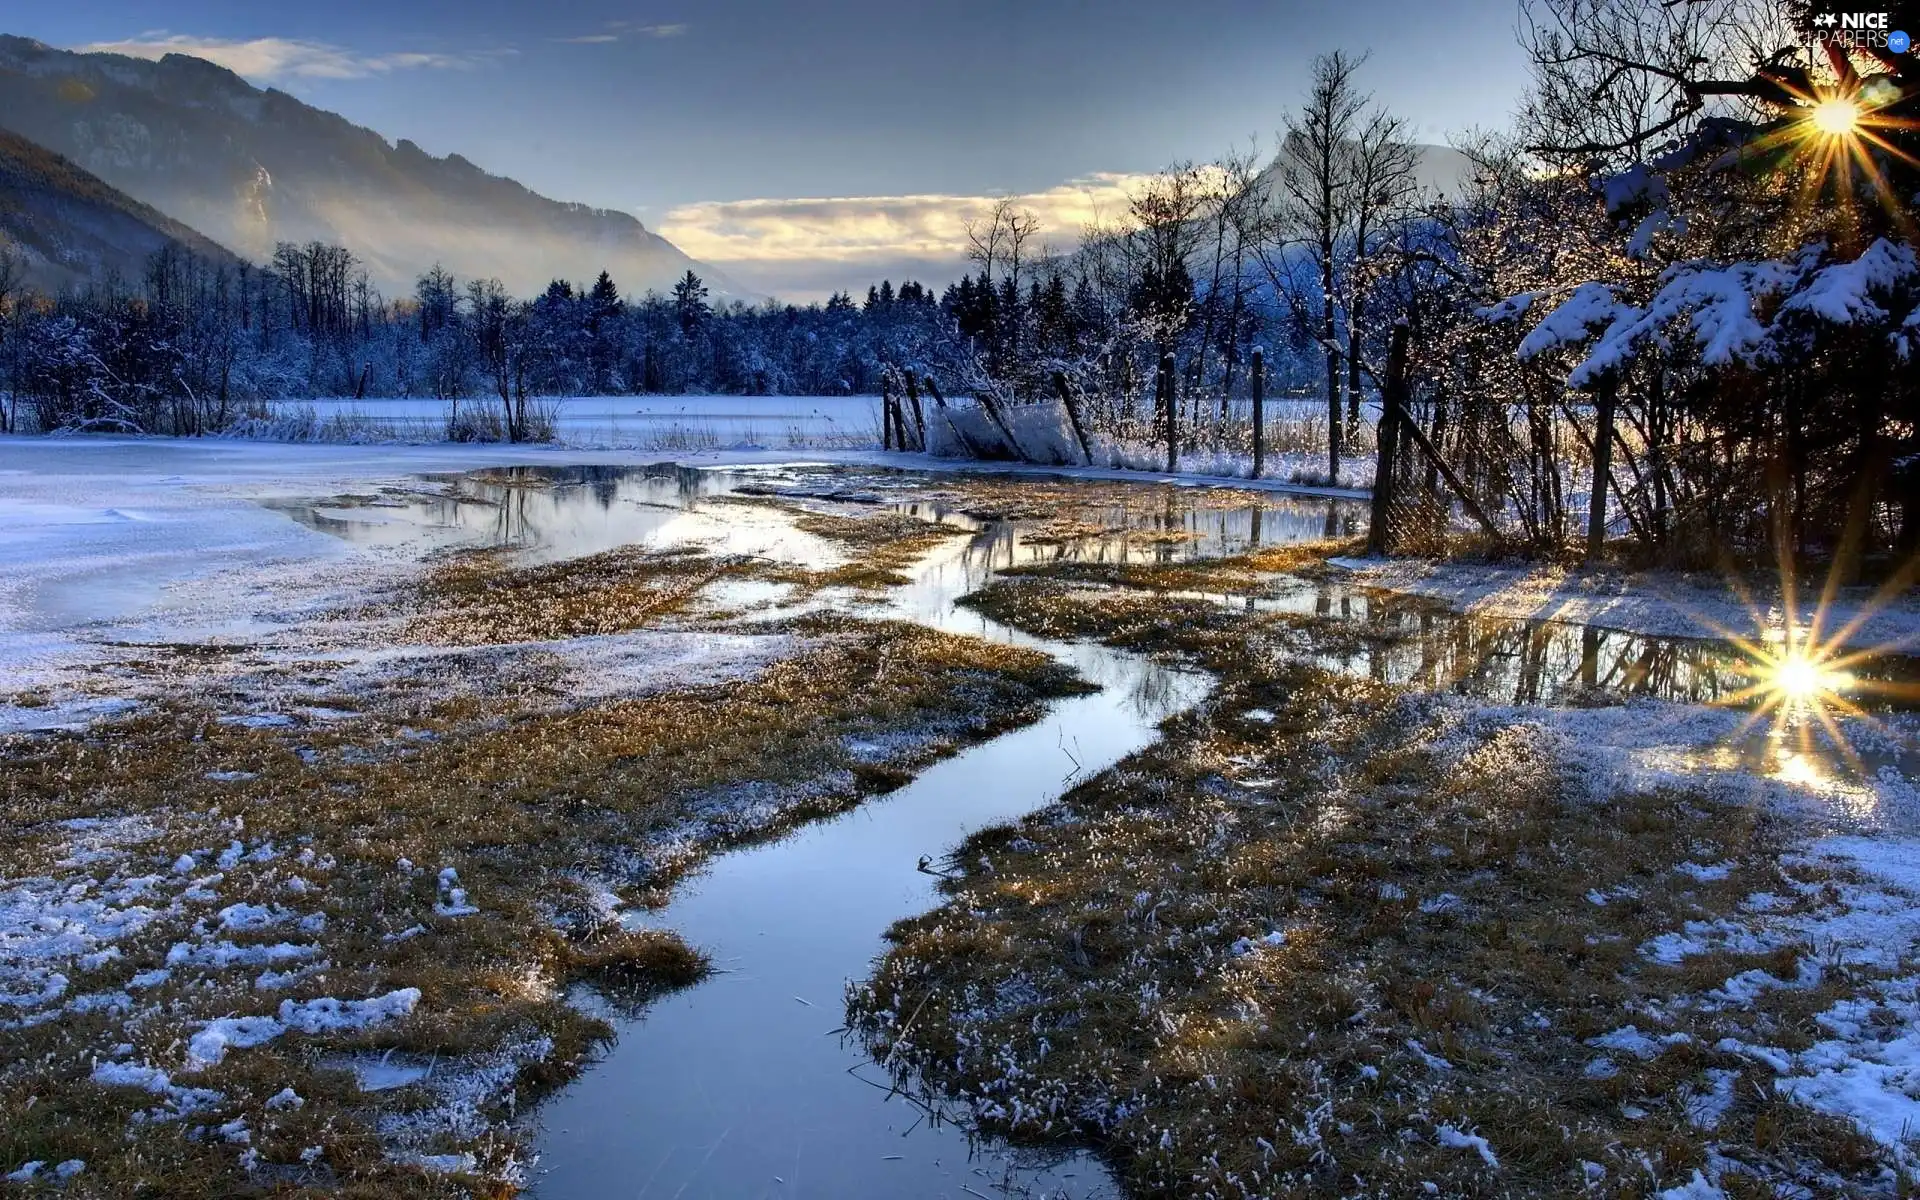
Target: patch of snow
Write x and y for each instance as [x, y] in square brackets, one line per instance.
[1455, 1139]
[453, 897]
[259, 720]
[1697, 1188]
[1629, 1040]
[209, 1046]
[1706, 874]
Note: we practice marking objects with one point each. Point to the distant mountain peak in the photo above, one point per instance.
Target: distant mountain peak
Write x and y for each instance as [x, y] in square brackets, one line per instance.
[251, 167]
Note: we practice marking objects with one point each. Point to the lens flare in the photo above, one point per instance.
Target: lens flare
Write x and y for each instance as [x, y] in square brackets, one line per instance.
[1838, 117]
[1801, 680]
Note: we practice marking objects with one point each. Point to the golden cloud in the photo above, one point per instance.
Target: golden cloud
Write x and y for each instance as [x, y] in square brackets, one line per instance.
[874, 228]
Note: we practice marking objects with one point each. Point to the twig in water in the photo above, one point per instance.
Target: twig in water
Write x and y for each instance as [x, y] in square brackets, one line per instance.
[1069, 753]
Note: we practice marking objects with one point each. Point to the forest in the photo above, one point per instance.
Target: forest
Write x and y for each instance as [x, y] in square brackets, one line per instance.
[1668, 314]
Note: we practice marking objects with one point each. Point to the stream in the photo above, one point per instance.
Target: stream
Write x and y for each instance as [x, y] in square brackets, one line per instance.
[744, 1086]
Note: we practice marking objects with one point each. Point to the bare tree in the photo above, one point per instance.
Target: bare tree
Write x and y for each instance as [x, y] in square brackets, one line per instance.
[1616, 78]
[1246, 190]
[1314, 204]
[1234, 196]
[1166, 235]
[1384, 183]
[1000, 240]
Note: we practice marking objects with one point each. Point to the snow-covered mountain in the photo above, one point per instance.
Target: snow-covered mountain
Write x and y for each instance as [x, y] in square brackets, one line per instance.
[72, 228]
[250, 167]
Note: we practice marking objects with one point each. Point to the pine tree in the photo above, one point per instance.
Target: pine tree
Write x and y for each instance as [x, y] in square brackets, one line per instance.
[690, 303]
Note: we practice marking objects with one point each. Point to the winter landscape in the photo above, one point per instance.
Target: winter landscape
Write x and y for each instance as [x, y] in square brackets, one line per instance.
[1354, 667]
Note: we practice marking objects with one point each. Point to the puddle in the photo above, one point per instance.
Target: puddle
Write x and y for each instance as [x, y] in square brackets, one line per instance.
[744, 1086]
[549, 514]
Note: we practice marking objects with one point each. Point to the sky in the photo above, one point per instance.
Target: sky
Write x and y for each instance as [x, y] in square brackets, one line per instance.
[806, 147]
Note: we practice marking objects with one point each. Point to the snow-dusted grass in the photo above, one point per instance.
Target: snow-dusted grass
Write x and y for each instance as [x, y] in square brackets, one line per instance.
[1329, 937]
[393, 825]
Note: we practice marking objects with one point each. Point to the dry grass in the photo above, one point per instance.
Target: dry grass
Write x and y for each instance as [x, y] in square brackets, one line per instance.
[540, 804]
[477, 599]
[1440, 961]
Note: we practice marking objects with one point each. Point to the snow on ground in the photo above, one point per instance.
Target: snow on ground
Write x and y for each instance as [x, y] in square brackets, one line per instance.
[1647, 744]
[125, 540]
[1855, 908]
[1660, 605]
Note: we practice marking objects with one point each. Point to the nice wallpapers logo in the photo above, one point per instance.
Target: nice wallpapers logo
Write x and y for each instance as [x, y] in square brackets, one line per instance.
[1860, 31]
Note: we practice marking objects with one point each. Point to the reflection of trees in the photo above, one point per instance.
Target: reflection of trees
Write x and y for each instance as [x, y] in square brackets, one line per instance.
[1155, 691]
[1532, 662]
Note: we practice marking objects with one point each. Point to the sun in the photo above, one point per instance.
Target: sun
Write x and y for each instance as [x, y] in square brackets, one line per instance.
[1836, 117]
[1801, 680]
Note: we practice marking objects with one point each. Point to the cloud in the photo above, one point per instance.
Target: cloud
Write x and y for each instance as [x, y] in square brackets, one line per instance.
[278, 58]
[869, 230]
[652, 31]
[625, 29]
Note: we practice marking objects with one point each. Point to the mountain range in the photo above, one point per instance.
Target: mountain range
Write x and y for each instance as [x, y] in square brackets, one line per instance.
[249, 167]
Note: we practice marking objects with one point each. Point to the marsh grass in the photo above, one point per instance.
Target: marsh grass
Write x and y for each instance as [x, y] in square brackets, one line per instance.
[1282, 950]
[542, 803]
[476, 599]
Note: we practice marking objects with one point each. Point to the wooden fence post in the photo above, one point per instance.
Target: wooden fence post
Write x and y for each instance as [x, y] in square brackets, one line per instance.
[919, 417]
[1259, 411]
[1394, 398]
[1170, 403]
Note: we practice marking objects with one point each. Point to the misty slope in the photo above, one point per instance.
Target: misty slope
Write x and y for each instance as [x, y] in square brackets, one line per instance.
[71, 227]
[251, 167]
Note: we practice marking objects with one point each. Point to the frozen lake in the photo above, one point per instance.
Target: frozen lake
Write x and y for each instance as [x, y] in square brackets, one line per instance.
[638, 422]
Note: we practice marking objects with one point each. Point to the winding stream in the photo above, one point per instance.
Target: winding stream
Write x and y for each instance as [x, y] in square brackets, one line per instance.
[742, 1087]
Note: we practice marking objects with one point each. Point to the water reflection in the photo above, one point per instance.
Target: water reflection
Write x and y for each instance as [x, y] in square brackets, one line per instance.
[1420, 643]
[550, 513]
[553, 513]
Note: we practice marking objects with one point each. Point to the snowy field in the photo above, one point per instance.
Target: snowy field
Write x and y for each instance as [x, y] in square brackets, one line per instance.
[635, 422]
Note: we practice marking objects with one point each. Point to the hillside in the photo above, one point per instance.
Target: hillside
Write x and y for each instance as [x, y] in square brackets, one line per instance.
[251, 167]
[71, 227]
